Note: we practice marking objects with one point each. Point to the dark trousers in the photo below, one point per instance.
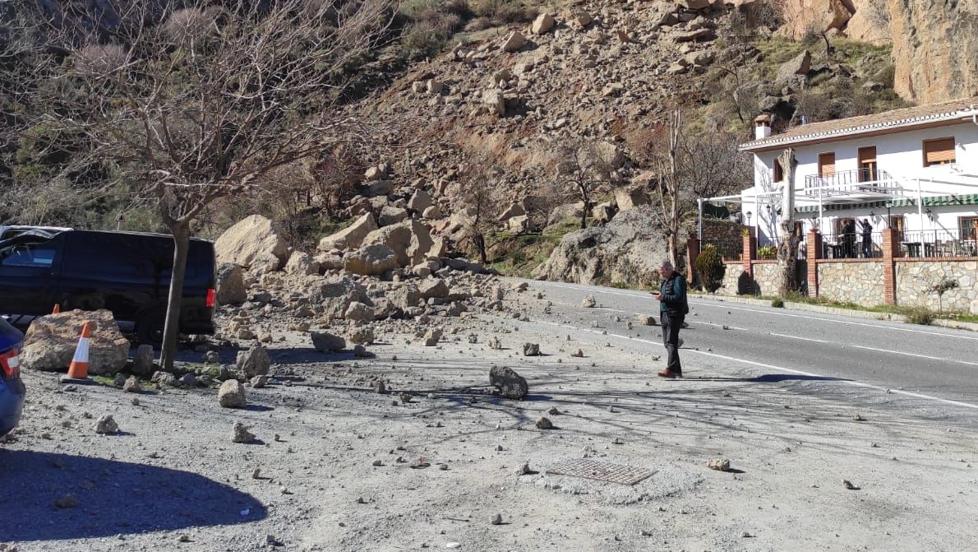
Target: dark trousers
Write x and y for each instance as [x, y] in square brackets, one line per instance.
[671, 323]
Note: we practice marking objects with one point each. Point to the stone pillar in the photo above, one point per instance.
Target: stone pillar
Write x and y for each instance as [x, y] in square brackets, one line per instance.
[813, 252]
[692, 251]
[891, 250]
[749, 252]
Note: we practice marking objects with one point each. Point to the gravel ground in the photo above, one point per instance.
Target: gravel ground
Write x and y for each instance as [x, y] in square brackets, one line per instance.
[429, 465]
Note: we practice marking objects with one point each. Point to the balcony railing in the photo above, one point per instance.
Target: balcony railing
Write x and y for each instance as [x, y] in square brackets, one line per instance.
[863, 182]
[937, 243]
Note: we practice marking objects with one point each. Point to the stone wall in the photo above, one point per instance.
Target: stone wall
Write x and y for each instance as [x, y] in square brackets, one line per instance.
[859, 282]
[731, 276]
[914, 278]
[766, 278]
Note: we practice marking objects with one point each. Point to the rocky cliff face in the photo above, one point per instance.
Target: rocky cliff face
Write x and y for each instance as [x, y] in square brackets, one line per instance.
[935, 44]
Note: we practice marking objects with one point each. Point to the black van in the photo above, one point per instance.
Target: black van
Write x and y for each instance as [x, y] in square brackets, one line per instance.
[127, 273]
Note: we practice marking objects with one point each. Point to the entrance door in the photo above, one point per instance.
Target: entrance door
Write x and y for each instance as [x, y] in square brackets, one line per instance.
[867, 164]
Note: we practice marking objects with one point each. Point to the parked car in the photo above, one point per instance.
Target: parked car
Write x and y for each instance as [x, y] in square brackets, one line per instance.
[11, 387]
[127, 273]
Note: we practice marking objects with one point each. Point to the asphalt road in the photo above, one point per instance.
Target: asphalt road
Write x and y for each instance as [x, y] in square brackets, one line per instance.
[937, 367]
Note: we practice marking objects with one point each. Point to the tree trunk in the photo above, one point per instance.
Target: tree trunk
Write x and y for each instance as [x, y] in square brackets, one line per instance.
[788, 259]
[587, 209]
[171, 329]
[480, 245]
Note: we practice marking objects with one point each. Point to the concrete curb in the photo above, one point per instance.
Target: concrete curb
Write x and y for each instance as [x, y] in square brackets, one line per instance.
[789, 305]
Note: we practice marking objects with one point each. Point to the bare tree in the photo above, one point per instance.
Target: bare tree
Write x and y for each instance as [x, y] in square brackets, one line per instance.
[582, 169]
[198, 103]
[481, 204]
[686, 168]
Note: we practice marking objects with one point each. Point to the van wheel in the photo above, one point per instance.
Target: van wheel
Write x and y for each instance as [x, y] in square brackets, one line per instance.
[149, 328]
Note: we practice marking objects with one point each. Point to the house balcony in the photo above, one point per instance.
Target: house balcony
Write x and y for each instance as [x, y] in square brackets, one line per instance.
[856, 185]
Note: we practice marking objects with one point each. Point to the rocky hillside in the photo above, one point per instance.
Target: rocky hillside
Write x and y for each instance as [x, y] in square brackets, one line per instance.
[920, 32]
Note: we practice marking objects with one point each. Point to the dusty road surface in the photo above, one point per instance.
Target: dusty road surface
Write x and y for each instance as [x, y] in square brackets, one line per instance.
[431, 464]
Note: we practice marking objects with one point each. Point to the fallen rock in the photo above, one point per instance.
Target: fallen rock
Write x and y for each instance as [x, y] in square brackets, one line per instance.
[231, 289]
[433, 287]
[240, 434]
[360, 336]
[494, 343]
[372, 260]
[531, 349]
[188, 380]
[432, 337]
[589, 302]
[719, 464]
[359, 312]
[50, 342]
[796, 66]
[66, 501]
[420, 201]
[350, 237]
[544, 423]
[231, 394]
[301, 263]
[258, 382]
[543, 24]
[249, 240]
[410, 240]
[132, 385]
[106, 425]
[163, 379]
[514, 42]
[510, 384]
[253, 362]
[325, 342]
[495, 100]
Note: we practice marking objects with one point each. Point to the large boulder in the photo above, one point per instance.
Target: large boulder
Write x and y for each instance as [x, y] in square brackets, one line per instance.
[631, 197]
[301, 263]
[543, 23]
[795, 67]
[514, 42]
[231, 288]
[420, 201]
[410, 241]
[231, 394]
[350, 237]
[326, 342]
[371, 260]
[626, 251]
[336, 294]
[253, 362]
[510, 384]
[250, 240]
[51, 341]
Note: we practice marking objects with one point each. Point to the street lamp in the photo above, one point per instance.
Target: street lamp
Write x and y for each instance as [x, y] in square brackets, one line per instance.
[748, 213]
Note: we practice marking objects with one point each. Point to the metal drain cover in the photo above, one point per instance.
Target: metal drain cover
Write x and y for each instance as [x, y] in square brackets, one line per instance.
[600, 471]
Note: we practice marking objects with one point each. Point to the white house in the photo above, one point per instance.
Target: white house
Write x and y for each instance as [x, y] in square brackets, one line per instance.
[913, 169]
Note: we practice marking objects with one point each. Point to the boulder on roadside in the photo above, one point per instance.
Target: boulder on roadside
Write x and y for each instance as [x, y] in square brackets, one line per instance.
[231, 394]
[359, 312]
[106, 425]
[531, 349]
[432, 337]
[589, 302]
[410, 240]
[163, 379]
[301, 263]
[371, 260]
[350, 237]
[132, 385]
[50, 342]
[254, 361]
[231, 289]
[240, 434]
[433, 287]
[335, 295]
[510, 384]
[360, 335]
[252, 239]
[325, 342]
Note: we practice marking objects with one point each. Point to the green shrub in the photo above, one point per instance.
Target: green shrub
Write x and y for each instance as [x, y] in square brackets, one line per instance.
[503, 11]
[710, 268]
[767, 252]
[920, 315]
[777, 303]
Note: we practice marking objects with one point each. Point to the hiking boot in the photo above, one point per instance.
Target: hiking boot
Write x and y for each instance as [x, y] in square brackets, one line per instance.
[670, 374]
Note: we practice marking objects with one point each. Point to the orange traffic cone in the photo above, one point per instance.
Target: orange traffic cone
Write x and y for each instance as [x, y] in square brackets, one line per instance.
[56, 309]
[78, 369]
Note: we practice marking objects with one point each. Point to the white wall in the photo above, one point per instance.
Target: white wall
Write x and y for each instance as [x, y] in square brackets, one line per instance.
[900, 155]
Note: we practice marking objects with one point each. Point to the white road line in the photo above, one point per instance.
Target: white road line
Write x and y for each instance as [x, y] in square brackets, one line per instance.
[803, 338]
[707, 303]
[853, 383]
[916, 355]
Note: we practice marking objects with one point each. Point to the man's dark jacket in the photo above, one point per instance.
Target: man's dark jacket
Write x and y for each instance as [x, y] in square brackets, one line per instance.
[672, 298]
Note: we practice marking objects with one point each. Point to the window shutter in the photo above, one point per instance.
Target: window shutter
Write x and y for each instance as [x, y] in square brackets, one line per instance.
[938, 152]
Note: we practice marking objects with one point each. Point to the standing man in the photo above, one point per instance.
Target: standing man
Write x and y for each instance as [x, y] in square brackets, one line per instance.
[672, 309]
[867, 233]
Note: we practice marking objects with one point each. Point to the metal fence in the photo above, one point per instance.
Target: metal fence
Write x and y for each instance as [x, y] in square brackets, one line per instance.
[852, 245]
[937, 243]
